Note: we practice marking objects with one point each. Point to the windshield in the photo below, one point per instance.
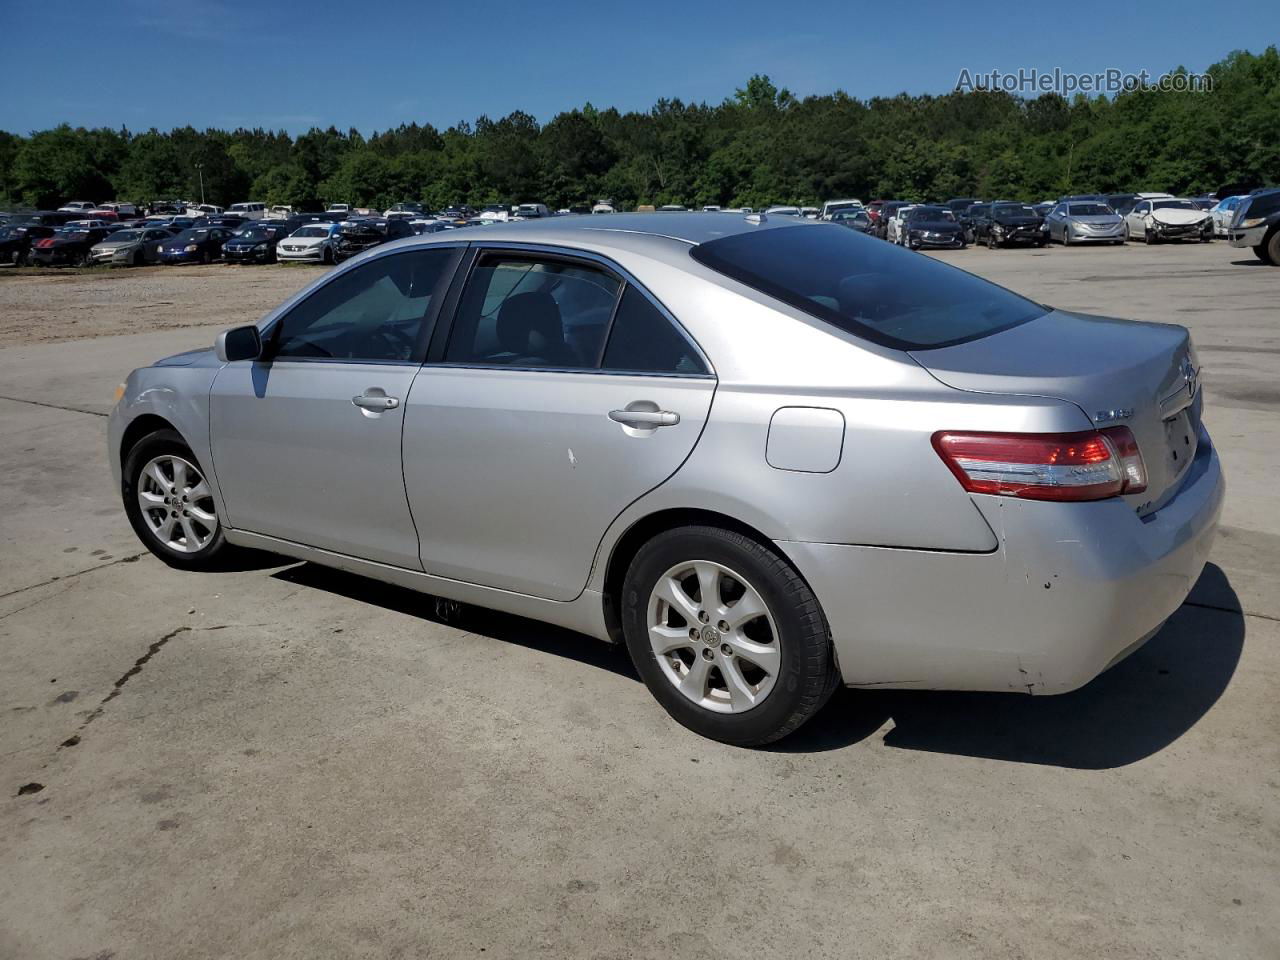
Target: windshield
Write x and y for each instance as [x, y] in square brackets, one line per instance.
[125, 236]
[1012, 210]
[850, 215]
[877, 291]
[190, 236]
[851, 205]
[312, 232]
[1173, 205]
[1089, 210]
[257, 233]
[930, 213]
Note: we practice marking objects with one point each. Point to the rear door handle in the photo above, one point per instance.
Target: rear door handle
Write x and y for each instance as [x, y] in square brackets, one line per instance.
[645, 418]
[373, 402]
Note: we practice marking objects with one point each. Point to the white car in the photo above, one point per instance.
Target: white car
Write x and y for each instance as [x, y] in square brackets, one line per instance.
[203, 210]
[604, 206]
[1224, 212]
[1156, 218]
[310, 243]
[831, 206]
[278, 212]
[338, 208]
[249, 210]
[77, 206]
[124, 211]
[782, 211]
[895, 230]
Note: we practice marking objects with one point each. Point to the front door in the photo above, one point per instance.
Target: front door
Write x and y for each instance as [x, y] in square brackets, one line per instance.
[306, 442]
[565, 393]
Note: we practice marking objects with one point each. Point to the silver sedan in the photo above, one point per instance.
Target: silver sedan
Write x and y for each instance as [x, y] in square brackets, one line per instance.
[1080, 222]
[769, 456]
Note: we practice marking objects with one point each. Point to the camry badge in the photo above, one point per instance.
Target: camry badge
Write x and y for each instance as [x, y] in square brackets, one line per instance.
[1107, 416]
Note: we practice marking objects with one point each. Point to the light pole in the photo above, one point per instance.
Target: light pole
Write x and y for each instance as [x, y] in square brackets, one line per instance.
[200, 171]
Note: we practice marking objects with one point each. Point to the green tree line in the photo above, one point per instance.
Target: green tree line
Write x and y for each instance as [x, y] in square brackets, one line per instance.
[762, 145]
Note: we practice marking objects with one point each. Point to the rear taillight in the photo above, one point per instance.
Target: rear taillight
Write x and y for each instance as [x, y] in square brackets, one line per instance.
[1091, 465]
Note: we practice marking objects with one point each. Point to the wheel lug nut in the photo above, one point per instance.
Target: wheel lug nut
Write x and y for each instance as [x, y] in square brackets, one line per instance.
[723, 626]
[693, 633]
[706, 653]
[726, 650]
[702, 615]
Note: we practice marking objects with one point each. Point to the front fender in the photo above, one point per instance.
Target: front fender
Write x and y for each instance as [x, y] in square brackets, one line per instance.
[179, 395]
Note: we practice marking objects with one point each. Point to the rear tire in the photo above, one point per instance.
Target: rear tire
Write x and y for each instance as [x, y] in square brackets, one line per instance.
[1148, 237]
[179, 523]
[746, 681]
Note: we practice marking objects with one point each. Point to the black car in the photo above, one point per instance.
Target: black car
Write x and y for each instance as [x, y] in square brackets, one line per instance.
[885, 214]
[229, 221]
[1010, 223]
[1257, 225]
[1121, 203]
[855, 219]
[49, 218]
[16, 240]
[959, 205]
[930, 226]
[195, 245]
[356, 236]
[256, 243]
[68, 245]
[969, 218]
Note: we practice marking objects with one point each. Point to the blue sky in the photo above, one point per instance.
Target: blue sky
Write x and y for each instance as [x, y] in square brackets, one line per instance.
[372, 64]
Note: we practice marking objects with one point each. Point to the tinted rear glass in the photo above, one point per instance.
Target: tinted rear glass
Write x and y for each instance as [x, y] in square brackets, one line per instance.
[877, 291]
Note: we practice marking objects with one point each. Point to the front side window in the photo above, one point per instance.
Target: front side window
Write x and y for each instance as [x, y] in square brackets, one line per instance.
[876, 291]
[533, 312]
[376, 311]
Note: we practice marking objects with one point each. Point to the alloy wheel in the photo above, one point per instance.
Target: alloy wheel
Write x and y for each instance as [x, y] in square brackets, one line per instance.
[177, 504]
[713, 636]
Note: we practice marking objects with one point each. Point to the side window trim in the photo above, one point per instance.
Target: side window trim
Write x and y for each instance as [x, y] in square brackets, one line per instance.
[480, 251]
[430, 321]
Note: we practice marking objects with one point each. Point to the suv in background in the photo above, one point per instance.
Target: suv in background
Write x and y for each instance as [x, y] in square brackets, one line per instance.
[1257, 225]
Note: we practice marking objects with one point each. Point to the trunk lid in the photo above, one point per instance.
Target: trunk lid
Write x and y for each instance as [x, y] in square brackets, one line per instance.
[1144, 376]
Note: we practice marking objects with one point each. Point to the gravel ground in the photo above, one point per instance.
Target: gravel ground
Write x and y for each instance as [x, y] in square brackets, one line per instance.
[51, 305]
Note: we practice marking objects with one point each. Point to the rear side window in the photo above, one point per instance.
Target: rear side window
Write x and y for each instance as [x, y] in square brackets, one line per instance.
[873, 290]
[644, 341]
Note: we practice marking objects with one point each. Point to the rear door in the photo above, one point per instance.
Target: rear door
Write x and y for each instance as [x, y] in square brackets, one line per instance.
[564, 393]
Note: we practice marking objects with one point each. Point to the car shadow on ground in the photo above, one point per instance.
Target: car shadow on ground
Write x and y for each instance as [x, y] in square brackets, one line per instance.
[1132, 711]
[503, 627]
[1137, 708]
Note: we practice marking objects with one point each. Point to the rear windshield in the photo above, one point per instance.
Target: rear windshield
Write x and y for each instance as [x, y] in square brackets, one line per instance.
[874, 290]
[1089, 210]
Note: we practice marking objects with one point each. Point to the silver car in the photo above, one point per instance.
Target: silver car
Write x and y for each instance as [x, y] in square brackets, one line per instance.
[1085, 222]
[770, 456]
[131, 248]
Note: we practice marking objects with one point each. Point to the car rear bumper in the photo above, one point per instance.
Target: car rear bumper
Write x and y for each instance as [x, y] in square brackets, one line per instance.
[1072, 589]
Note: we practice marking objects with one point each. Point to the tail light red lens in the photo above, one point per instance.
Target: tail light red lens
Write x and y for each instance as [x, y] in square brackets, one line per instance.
[1090, 465]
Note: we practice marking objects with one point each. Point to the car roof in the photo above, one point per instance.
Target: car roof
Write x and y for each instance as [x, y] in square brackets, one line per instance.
[690, 228]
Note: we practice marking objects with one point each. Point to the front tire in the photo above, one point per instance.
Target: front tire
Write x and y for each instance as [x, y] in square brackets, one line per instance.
[726, 635]
[170, 504]
[1269, 250]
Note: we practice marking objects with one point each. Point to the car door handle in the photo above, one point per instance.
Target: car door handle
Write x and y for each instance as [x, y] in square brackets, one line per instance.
[645, 418]
[373, 402]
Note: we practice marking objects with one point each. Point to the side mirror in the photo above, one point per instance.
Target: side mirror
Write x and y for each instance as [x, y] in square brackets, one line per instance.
[238, 343]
